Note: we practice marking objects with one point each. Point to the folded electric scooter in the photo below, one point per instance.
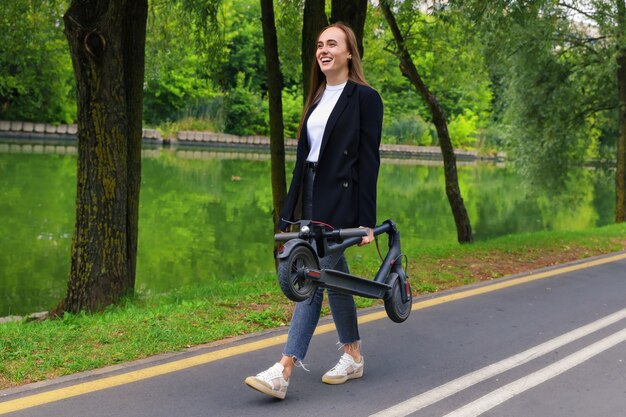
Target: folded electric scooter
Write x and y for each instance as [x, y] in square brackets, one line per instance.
[299, 272]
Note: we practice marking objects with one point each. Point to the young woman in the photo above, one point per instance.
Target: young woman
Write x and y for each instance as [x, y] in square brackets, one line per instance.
[334, 181]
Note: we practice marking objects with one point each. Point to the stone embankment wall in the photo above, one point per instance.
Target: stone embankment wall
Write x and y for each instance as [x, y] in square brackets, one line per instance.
[30, 130]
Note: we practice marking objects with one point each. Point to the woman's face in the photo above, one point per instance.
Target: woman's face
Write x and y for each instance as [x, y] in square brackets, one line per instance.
[332, 55]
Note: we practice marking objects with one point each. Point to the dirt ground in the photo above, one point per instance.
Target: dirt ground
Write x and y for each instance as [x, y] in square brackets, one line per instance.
[495, 265]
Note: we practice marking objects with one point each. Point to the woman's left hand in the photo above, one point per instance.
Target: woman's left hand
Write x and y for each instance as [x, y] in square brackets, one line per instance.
[367, 239]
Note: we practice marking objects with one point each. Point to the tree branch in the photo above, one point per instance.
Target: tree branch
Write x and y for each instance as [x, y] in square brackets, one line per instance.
[576, 9]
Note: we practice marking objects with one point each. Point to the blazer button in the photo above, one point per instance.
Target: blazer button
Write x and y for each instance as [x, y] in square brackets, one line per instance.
[345, 184]
[345, 152]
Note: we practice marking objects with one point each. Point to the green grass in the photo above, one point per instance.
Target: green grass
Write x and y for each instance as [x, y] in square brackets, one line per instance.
[149, 325]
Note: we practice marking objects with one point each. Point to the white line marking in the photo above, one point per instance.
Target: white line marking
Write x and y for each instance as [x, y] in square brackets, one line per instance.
[443, 391]
[509, 391]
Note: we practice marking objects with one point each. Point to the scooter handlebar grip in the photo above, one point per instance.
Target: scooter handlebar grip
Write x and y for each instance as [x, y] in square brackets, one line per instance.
[354, 232]
[283, 237]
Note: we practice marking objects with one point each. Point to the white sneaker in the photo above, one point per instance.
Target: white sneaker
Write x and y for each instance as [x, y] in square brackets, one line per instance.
[270, 382]
[346, 369]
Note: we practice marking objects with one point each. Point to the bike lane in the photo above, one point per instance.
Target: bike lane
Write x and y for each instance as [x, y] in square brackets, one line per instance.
[447, 336]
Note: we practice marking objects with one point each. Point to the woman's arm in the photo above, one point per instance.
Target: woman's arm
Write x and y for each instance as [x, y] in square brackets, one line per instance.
[371, 117]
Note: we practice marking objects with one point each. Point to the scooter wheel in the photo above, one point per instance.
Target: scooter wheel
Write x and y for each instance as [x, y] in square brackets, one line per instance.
[397, 310]
[293, 282]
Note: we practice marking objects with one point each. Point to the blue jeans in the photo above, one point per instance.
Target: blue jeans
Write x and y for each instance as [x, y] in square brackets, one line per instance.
[307, 313]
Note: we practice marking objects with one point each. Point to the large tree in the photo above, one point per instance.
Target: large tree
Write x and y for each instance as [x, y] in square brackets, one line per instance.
[313, 20]
[107, 41]
[274, 90]
[453, 191]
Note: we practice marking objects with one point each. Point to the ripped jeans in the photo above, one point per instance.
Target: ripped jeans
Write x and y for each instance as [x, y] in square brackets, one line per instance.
[307, 313]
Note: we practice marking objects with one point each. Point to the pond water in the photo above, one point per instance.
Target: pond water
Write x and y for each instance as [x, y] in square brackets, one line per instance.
[206, 214]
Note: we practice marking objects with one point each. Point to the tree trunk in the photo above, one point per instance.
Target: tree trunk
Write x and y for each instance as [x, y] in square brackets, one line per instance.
[274, 89]
[620, 173]
[353, 13]
[313, 20]
[461, 219]
[107, 42]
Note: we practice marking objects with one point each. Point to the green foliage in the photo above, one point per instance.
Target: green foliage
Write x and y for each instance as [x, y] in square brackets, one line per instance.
[553, 81]
[463, 128]
[544, 133]
[408, 129]
[210, 69]
[524, 78]
[175, 84]
[170, 129]
[289, 31]
[242, 54]
[449, 54]
[205, 61]
[36, 79]
[493, 137]
[292, 110]
[546, 92]
[382, 71]
[175, 93]
[449, 58]
[245, 112]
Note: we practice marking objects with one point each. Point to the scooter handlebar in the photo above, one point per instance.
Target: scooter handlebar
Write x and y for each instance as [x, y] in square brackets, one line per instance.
[343, 234]
[354, 232]
[283, 237]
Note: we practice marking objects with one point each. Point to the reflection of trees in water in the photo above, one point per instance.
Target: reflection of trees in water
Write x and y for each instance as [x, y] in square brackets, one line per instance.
[206, 214]
[37, 199]
[209, 219]
[511, 204]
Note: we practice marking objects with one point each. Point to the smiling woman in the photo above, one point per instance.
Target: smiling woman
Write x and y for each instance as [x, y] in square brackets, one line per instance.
[333, 56]
[334, 182]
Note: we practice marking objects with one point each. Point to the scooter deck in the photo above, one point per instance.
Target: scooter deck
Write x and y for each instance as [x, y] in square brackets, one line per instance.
[348, 284]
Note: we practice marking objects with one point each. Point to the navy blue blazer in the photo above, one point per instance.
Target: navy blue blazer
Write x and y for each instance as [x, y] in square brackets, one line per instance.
[344, 190]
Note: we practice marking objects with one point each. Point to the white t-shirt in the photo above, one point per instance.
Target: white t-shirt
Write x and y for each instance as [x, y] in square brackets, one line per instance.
[319, 117]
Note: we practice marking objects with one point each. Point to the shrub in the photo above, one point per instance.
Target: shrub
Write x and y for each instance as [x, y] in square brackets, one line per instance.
[408, 129]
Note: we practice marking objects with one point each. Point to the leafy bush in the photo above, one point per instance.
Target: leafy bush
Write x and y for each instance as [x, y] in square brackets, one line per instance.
[463, 130]
[175, 95]
[245, 113]
[408, 129]
[36, 78]
[292, 110]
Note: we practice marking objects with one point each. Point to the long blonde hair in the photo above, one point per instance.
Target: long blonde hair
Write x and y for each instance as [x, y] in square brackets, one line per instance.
[318, 79]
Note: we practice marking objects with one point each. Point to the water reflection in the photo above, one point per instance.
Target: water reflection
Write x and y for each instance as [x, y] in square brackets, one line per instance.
[206, 214]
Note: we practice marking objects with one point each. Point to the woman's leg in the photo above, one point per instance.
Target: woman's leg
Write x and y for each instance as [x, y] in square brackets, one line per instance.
[306, 315]
[275, 380]
[344, 314]
[351, 364]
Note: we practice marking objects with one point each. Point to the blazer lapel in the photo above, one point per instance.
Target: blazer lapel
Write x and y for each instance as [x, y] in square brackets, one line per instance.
[342, 103]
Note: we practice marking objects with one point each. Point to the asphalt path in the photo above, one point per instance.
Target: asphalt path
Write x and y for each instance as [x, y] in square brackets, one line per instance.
[546, 343]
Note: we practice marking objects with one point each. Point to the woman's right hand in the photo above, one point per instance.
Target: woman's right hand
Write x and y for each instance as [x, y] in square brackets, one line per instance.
[369, 238]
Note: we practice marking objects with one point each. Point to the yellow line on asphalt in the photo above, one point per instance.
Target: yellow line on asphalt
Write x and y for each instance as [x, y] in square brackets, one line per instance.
[153, 371]
[497, 286]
